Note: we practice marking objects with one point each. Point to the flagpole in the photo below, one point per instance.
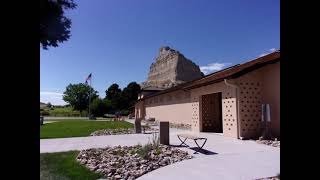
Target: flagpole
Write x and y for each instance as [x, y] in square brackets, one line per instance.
[90, 95]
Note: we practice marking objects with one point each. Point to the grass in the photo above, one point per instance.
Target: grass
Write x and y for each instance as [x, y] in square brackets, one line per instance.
[78, 128]
[63, 166]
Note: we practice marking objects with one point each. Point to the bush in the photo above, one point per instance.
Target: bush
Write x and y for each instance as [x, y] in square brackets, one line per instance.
[125, 112]
[155, 141]
[98, 107]
[144, 151]
[64, 112]
[44, 113]
[153, 145]
[49, 105]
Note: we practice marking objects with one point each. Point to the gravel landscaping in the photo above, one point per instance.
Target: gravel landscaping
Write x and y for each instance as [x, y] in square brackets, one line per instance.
[130, 162]
[180, 126]
[105, 132]
[273, 143]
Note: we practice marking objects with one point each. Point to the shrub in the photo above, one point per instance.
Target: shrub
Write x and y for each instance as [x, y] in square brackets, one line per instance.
[64, 111]
[49, 105]
[125, 112]
[144, 151]
[155, 141]
[99, 107]
[153, 145]
[44, 113]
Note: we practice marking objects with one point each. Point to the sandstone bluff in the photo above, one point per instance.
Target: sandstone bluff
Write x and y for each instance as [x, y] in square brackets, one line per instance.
[170, 69]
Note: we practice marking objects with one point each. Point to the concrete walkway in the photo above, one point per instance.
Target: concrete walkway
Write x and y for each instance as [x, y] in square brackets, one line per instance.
[47, 122]
[237, 166]
[225, 159]
[81, 143]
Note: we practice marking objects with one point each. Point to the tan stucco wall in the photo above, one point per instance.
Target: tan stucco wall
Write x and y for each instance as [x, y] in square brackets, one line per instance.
[271, 95]
[174, 113]
[174, 107]
[258, 87]
[229, 111]
[250, 104]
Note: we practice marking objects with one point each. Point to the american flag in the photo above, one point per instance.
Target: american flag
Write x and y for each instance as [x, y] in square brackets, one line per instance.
[88, 78]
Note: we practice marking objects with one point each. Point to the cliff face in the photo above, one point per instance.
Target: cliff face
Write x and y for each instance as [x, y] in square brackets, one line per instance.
[170, 69]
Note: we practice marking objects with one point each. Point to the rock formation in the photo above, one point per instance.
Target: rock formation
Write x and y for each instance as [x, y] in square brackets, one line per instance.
[170, 69]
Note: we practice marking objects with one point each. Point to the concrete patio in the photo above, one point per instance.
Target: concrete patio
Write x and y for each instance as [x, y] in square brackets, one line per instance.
[225, 158]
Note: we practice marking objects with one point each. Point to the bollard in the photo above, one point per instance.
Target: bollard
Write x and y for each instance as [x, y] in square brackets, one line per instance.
[164, 133]
[41, 120]
[137, 125]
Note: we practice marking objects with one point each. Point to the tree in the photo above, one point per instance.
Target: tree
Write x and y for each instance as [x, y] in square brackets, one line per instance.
[122, 100]
[54, 26]
[99, 107]
[113, 92]
[109, 106]
[77, 95]
[49, 105]
[130, 93]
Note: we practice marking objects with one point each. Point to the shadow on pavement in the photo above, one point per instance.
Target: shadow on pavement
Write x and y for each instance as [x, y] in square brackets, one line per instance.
[202, 151]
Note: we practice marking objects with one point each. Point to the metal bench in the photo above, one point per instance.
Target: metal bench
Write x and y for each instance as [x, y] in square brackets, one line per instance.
[144, 128]
[193, 137]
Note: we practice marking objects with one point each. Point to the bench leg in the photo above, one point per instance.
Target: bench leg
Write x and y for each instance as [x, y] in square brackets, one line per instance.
[183, 142]
[199, 146]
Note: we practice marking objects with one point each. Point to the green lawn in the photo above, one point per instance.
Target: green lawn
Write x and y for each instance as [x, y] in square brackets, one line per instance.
[63, 166]
[78, 128]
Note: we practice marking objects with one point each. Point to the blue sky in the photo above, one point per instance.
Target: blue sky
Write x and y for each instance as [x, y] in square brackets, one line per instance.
[117, 40]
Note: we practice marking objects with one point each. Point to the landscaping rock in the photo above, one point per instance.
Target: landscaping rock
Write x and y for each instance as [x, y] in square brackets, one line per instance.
[127, 165]
[106, 132]
[117, 176]
[180, 126]
[269, 142]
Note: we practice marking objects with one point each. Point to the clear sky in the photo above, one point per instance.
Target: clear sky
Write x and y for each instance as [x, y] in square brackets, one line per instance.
[117, 40]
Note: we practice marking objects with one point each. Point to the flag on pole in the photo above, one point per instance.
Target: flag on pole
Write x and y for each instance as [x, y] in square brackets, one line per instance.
[88, 78]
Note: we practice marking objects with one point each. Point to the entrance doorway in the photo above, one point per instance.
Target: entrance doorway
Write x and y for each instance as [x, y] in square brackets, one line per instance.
[212, 113]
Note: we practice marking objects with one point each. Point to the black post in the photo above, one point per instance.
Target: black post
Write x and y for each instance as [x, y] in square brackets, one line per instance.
[164, 133]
